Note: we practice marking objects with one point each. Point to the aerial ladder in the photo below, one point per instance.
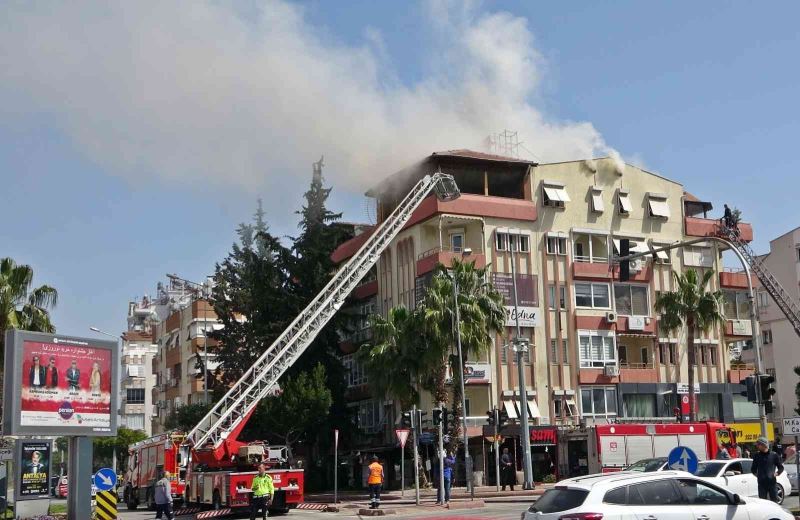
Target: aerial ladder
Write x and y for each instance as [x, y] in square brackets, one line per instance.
[782, 299]
[213, 443]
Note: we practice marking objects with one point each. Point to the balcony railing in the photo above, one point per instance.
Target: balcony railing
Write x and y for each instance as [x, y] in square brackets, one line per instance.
[591, 259]
[636, 366]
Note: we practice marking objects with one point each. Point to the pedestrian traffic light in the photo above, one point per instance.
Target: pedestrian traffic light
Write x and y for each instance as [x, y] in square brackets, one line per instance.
[491, 418]
[502, 418]
[405, 419]
[437, 416]
[624, 265]
[750, 393]
[765, 383]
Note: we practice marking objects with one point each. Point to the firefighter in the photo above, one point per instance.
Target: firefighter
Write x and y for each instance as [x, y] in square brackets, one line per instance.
[375, 481]
[262, 492]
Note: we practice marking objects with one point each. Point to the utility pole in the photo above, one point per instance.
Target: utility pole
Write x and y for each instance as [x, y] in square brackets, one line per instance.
[520, 347]
[441, 426]
[496, 447]
[414, 426]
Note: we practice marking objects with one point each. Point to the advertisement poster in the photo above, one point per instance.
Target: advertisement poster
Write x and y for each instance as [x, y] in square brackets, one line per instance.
[527, 298]
[65, 385]
[34, 469]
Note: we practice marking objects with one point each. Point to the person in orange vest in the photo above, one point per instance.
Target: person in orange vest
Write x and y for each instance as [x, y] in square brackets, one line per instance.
[375, 481]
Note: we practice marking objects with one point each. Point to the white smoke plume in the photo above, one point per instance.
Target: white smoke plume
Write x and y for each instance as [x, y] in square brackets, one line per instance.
[208, 92]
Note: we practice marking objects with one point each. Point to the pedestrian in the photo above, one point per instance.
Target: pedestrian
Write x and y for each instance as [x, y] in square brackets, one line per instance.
[508, 475]
[163, 496]
[449, 462]
[375, 481]
[722, 452]
[263, 489]
[728, 217]
[789, 452]
[765, 464]
[746, 452]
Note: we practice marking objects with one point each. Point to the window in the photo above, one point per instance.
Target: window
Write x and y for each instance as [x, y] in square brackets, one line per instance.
[616, 496]
[639, 405]
[554, 351]
[742, 408]
[625, 206]
[134, 421]
[656, 493]
[504, 355]
[698, 256]
[559, 499]
[631, 300]
[565, 345]
[763, 300]
[597, 348]
[698, 493]
[599, 401]
[562, 296]
[704, 355]
[798, 254]
[592, 295]
[457, 242]
[597, 200]
[501, 241]
[134, 395]
[556, 245]
[645, 356]
[554, 194]
[737, 306]
[512, 242]
[355, 375]
[368, 414]
[708, 407]
[589, 247]
[658, 206]
[622, 352]
[766, 336]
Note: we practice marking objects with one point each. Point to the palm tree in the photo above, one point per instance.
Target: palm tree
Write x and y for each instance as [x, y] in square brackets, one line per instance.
[482, 317]
[694, 307]
[23, 307]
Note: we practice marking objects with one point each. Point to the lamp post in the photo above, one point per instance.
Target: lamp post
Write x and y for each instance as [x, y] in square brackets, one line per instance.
[520, 347]
[467, 459]
[118, 338]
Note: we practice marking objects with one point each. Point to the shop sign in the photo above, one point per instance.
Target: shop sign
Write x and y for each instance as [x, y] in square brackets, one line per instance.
[543, 436]
[683, 388]
[477, 373]
[750, 432]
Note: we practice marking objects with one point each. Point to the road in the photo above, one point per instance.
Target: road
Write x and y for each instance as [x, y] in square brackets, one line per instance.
[490, 512]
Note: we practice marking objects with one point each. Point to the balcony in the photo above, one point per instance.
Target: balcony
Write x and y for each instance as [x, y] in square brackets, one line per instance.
[739, 371]
[428, 260]
[173, 356]
[709, 227]
[199, 344]
[365, 290]
[596, 376]
[636, 325]
[476, 205]
[584, 269]
[735, 279]
[637, 373]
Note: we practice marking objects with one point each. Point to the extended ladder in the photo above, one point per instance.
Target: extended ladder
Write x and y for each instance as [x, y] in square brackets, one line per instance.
[254, 385]
[786, 304]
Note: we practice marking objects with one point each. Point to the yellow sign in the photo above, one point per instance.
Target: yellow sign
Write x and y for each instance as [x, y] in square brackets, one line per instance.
[106, 508]
[750, 432]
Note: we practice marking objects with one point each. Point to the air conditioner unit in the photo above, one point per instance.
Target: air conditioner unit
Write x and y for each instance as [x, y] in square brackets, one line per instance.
[611, 317]
[636, 265]
[611, 371]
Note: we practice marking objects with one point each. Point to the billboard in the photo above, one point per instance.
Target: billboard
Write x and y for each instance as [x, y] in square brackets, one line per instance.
[59, 385]
[32, 469]
[527, 298]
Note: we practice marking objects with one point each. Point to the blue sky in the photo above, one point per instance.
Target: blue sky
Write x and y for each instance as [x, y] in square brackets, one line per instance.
[135, 148]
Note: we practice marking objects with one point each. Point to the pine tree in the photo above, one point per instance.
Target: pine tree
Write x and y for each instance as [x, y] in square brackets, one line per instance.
[251, 282]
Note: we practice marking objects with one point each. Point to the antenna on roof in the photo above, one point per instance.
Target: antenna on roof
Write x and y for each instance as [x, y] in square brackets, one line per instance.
[505, 143]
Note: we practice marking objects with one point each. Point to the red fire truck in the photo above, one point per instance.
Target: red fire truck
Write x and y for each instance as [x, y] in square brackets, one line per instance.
[613, 447]
[211, 466]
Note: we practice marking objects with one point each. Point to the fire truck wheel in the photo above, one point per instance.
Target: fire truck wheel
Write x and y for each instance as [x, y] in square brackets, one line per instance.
[130, 499]
[216, 501]
[149, 500]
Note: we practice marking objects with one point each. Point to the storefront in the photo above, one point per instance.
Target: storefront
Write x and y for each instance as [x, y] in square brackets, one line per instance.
[544, 452]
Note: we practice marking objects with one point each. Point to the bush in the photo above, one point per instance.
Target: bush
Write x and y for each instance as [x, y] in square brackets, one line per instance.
[549, 479]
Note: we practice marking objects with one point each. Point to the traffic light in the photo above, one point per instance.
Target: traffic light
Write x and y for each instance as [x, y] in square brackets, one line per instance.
[491, 418]
[750, 393]
[502, 418]
[624, 265]
[445, 418]
[437, 416]
[765, 382]
[405, 419]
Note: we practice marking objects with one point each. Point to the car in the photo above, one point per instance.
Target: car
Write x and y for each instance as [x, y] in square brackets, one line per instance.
[790, 465]
[660, 495]
[735, 475]
[648, 465]
[63, 487]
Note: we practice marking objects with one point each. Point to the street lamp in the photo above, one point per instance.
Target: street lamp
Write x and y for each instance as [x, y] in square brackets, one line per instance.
[521, 346]
[116, 337]
[467, 459]
[205, 333]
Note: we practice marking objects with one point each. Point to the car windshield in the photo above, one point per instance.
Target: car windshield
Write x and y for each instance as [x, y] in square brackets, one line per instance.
[559, 499]
[647, 465]
[708, 469]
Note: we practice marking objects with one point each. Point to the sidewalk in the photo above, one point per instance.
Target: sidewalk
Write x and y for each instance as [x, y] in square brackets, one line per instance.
[428, 496]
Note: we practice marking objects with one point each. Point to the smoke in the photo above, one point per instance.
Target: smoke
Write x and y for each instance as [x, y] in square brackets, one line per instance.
[246, 97]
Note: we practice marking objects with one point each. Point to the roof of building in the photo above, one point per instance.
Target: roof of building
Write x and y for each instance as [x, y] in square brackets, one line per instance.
[471, 154]
[348, 248]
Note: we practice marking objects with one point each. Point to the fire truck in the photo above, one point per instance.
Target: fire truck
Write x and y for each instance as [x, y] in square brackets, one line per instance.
[613, 447]
[212, 467]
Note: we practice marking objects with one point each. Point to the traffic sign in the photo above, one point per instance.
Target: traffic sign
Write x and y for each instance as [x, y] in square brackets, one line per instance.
[791, 426]
[105, 479]
[402, 436]
[682, 458]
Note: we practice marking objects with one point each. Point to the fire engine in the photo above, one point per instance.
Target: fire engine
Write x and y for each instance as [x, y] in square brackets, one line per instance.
[211, 466]
[613, 447]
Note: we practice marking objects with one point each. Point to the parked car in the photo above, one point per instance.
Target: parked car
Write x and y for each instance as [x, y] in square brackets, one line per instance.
[63, 487]
[735, 475]
[662, 495]
[648, 465]
[790, 465]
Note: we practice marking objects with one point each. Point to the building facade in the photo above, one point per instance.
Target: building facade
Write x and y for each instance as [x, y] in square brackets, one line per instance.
[596, 352]
[137, 381]
[779, 342]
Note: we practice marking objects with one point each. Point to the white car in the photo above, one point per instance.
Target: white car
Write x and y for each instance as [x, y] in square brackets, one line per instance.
[735, 475]
[790, 465]
[659, 495]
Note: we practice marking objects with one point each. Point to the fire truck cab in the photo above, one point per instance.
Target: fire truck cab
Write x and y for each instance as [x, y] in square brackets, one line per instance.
[146, 460]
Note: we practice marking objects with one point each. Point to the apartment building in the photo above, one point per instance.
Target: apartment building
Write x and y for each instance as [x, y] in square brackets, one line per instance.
[779, 342]
[597, 354]
[137, 381]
